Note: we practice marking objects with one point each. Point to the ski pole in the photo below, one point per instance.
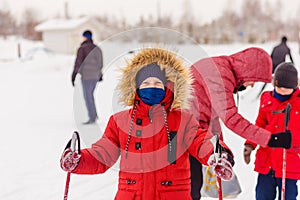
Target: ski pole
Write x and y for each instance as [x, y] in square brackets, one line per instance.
[220, 194]
[72, 143]
[215, 141]
[67, 185]
[286, 123]
[261, 91]
[218, 178]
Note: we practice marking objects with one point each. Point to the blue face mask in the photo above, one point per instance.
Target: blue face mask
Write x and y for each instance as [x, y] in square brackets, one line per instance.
[151, 96]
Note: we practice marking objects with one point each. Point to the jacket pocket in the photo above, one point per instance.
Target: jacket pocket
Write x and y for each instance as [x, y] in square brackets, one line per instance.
[293, 156]
[263, 158]
[125, 195]
[175, 195]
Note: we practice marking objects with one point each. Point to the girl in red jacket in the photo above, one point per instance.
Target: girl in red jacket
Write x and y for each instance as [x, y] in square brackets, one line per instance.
[269, 161]
[154, 137]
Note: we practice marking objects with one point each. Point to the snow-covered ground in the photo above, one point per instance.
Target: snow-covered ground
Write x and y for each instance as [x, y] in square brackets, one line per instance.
[39, 110]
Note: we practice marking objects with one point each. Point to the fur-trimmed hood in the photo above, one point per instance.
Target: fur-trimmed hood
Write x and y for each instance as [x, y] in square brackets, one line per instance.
[176, 72]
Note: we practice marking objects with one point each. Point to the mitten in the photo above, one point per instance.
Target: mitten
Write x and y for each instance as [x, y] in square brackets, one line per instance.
[247, 153]
[281, 140]
[69, 160]
[71, 156]
[222, 164]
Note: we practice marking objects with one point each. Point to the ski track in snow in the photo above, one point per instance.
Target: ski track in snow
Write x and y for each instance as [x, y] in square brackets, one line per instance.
[37, 120]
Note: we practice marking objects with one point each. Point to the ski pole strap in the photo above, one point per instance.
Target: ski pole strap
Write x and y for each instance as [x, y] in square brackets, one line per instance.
[287, 116]
[72, 142]
[218, 146]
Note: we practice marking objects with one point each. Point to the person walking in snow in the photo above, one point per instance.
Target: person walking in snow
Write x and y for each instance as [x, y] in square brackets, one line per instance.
[268, 162]
[88, 64]
[155, 136]
[278, 56]
[280, 52]
[216, 80]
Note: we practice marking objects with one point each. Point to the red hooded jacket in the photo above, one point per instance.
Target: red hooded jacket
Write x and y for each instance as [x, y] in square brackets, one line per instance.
[271, 158]
[152, 142]
[217, 79]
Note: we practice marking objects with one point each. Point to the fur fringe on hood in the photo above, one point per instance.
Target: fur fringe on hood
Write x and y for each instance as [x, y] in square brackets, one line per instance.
[176, 72]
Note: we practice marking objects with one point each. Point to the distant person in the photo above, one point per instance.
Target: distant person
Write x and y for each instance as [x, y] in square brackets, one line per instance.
[216, 80]
[278, 56]
[280, 52]
[269, 161]
[88, 64]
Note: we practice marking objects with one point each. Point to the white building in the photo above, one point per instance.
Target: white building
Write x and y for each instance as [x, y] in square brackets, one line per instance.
[65, 35]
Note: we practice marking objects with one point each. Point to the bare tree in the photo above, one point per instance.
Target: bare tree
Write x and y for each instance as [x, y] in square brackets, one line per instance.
[7, 23]
[187, 20]
[251, 9]
[30, 20]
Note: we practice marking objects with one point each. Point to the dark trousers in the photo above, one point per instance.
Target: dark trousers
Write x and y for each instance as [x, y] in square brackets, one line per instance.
[196, 178]
[88, 87]
[267, 185]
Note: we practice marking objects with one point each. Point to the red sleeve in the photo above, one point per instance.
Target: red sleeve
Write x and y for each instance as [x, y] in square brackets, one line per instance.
[201, 146]
[261, 120]
[103, 154]
[241, 126]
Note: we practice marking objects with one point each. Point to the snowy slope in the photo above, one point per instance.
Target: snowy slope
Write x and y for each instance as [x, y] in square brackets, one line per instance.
[38, 117]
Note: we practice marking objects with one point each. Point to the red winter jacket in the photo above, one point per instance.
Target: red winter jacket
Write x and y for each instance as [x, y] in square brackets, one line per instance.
[217, 78]
[271, 158]
[145, 169]
[154, 165]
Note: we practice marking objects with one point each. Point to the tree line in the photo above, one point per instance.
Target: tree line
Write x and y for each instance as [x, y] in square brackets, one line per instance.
[253, 23]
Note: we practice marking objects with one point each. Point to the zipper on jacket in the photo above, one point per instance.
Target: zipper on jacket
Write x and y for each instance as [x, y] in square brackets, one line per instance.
[150, 113]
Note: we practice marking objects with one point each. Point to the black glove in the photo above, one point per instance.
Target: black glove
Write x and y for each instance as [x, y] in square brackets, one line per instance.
[73, 79]
[281, 140]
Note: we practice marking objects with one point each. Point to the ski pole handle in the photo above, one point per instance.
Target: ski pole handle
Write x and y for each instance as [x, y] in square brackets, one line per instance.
[72, 144]
[75, 140]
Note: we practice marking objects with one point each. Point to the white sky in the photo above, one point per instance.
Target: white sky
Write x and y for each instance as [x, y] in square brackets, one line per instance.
[203, 10]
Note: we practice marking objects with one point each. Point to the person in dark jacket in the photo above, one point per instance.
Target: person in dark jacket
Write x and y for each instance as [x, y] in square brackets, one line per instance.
[216, 80]
[280, 52]
[88, 64]
[278, 56]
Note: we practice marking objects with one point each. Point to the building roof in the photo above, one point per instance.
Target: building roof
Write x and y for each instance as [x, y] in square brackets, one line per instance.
[62, 24]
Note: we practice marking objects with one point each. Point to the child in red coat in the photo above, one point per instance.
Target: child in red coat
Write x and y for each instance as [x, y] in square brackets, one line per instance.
[155, 136]
[269, 161]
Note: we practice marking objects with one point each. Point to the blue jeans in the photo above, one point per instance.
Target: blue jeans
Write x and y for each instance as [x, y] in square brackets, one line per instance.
[267, 185]
[88, 93]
